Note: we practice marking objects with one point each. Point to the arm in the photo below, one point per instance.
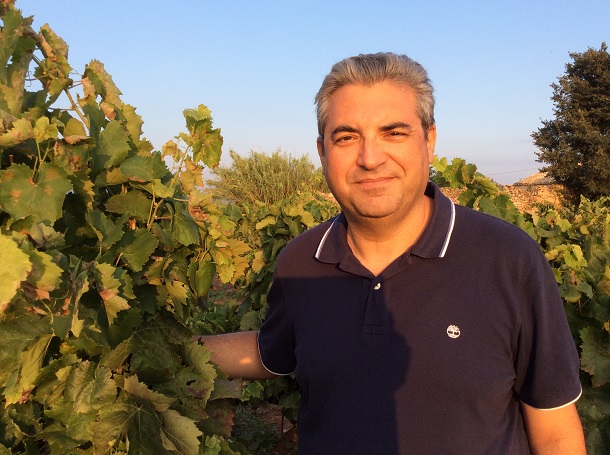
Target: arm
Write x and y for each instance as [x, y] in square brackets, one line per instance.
[554, 431]
[236, 354]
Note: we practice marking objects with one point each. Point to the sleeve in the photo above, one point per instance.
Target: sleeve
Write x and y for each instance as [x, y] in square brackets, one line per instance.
[547, 365]
[276, 340]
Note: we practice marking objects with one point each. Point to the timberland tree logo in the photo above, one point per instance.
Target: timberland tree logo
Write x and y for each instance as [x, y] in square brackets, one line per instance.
[453, 331]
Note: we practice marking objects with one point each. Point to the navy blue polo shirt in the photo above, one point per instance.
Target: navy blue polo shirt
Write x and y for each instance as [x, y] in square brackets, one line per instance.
[433, 355]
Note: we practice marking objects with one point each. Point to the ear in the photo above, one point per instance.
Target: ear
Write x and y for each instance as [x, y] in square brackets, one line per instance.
[320, 146]
[431, 142]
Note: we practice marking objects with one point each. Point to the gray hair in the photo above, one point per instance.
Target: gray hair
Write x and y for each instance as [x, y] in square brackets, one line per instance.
[369, 69]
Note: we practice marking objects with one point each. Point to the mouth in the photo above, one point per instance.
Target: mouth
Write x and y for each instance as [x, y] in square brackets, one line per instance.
[374, 182]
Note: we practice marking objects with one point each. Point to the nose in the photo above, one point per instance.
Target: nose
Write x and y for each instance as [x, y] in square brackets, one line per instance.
[371, 154]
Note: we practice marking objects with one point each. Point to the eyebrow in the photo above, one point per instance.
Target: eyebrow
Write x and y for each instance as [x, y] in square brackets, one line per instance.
[342, 129]
[395, 125]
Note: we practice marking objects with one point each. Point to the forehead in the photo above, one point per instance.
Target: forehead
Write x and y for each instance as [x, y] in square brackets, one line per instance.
[379, 102]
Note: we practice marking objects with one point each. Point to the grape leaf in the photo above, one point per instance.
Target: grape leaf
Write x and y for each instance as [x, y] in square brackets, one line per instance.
[90, 387]
[133, 203]
[144, 430]
[152, 358]
[71, 428]
[21, 131]
[595, 357]
[107, 232]
[45, 274]
[14, 268]
[180, 433]
[184, 228]
[136, 247]
[112, 146]
[110, 289]
[138, 389]
[18, 390]
[42, 200]
[201, 277]
[144, 168]
[103, 83]
[113, 421]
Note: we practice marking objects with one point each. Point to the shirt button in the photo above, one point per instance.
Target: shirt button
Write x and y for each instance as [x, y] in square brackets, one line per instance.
[377, 286]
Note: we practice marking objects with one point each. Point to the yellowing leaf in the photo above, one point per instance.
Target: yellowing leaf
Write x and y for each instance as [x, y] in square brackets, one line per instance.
[90, 387]
[181, 433]
[258, 263]
[138, 389]
[20, 132]
[45, 274]
[109, 288]
[31, 363]
[14, 268]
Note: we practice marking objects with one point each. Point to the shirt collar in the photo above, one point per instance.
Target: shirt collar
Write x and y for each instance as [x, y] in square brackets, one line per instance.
[433, 243]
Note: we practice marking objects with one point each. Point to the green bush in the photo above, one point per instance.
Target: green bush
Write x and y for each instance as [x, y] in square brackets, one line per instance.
[266, 178]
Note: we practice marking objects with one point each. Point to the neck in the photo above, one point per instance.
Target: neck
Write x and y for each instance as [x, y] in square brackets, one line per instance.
[377, 242]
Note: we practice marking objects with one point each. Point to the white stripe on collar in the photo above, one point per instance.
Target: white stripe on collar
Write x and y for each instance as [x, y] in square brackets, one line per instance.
[449, 232]
[319, 250]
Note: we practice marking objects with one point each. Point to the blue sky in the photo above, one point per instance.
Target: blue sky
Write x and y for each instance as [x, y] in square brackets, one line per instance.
[257, 65]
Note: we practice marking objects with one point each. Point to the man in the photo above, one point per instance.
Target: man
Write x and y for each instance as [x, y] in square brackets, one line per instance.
[414, 326]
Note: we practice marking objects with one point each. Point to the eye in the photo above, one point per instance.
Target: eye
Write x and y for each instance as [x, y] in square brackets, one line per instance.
[346, 138]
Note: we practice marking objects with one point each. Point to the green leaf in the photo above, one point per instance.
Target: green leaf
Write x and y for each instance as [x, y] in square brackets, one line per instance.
[14, 268]
[184, 228]
[595, 357]
[113, 422]
[157, 188]
[144, 168]
[112, 147]
[180, 433]
[20, 196]
[152, 359]
[250, 321]
[144, 431]
[70, 428]
[90, 387]
[107, 231]
[136, 247]
[202, 279]
[133, 203]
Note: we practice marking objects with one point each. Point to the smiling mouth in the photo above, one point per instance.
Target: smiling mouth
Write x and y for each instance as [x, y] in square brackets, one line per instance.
[375, 181]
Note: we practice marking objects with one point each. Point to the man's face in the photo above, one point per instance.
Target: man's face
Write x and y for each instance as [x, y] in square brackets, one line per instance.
[374, 152]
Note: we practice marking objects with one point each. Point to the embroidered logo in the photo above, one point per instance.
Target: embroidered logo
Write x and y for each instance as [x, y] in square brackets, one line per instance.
[453, 331]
